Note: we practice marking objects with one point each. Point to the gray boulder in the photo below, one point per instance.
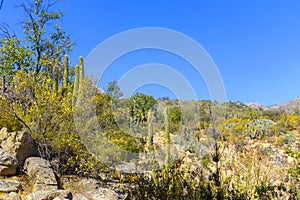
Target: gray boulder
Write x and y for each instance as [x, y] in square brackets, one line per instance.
[19, 144]
[50, 195]
[9, 185]
[41, 174]
[126, 168]
[78, 196]
[90, 189]
[8, 163]
[11, 196]
[97, 194]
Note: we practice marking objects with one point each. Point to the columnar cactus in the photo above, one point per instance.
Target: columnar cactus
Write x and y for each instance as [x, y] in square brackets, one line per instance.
[76, 82]
[167, 136]
[81, 71]
[150, 139]
[66, 72]
[55, 78]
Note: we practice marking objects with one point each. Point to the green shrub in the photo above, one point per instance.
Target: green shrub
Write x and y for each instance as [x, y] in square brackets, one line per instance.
[289, 139]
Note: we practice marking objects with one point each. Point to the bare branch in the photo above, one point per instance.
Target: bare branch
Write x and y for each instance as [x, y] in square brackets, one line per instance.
[6, 31]
[22, 122]
[50, 4]
[1, 3]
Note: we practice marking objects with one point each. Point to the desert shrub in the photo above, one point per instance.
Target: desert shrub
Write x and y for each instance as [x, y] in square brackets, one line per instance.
[126, 141]
[289, 139]
[206, 160]
[267, 191]
[170, 183]
[267, 151]
[174, 183]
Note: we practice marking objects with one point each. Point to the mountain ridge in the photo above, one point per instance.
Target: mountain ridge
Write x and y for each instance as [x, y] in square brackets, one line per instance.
[291, 105]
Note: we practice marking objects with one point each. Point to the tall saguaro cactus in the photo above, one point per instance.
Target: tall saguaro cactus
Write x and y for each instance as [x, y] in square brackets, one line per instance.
[55, 78]
[167, 136]
[150, 139]
[79, 78]
[66, 71]
[76, 83]
[81, 71]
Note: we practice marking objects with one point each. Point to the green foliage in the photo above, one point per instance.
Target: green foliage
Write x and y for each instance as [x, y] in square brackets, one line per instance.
[266, 191]
[259, 128]
[13, 57]
[44, 37]
[295, 169]
[172, 184]
[139, 104]
[31, 100]
[113, 90]
[175, 115]
[267, 151]
[289, 139]
[206, 160]
[49, 117]
[104, 112]
[8, 118]
[126, 142]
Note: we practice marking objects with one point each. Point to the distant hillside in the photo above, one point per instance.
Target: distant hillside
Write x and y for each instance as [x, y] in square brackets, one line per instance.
[257, 105]
[288, 106]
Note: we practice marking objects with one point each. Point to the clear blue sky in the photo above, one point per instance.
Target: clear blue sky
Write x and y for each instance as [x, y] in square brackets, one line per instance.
[255, 44]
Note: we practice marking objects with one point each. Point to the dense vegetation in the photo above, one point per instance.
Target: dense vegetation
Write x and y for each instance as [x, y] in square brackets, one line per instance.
[193, 150]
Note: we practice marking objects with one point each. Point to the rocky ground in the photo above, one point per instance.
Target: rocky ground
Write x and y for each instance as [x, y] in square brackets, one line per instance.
[39, 182]
[247, 163]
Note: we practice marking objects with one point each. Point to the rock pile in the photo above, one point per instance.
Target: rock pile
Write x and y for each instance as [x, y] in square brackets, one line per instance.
[18, 149]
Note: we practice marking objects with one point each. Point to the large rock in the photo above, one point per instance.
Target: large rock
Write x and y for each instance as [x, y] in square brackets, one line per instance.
[90, 189]
[19, 144]
[41, 174]
[97, 194]
[78, 196]
[87, 184]
[8, 163]
[50, 195]
[9, 186]
[126, 168]
[11, 196]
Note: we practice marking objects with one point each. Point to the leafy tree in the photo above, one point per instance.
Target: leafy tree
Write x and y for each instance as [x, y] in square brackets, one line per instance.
[13, 57]
[34, 71]
[114, 90]
[45, 38]
[104, 111]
